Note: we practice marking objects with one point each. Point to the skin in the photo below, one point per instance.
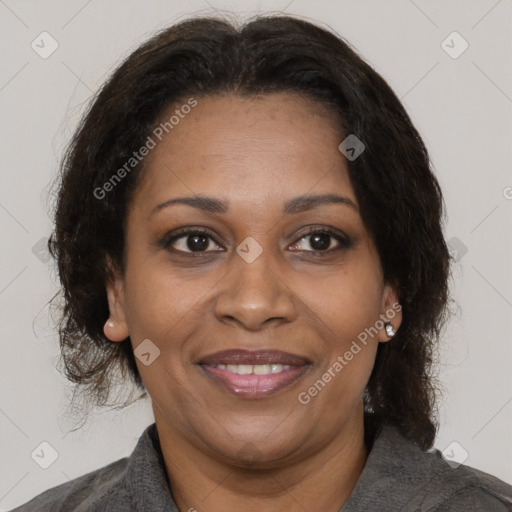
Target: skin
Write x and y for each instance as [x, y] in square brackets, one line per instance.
[222, 451]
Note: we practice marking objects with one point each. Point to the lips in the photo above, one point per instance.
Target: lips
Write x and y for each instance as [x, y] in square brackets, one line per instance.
[236, 356]
[254, 374]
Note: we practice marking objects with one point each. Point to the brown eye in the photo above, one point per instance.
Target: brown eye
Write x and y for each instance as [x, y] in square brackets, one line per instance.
[320, 240]
[190, 241]
[197, 242]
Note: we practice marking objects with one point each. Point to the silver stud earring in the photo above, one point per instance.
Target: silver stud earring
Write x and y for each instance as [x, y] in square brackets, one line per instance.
[389, 329]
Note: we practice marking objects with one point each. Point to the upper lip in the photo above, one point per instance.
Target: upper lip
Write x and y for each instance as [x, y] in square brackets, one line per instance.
[266, 356]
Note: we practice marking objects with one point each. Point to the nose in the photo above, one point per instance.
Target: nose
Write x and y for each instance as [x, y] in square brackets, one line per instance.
[254, 294]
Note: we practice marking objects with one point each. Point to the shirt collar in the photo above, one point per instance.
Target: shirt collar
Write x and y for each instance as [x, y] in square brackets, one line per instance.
[396, 471]
[147, 474]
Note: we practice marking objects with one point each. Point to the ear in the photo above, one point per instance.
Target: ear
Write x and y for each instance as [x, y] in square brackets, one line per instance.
[391, 311]
[116, 328]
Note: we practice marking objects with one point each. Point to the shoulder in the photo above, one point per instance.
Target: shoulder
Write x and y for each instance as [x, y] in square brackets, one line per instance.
[400, 475]
[474, 490]
[137, 482]
[103, 485]
[445, 486]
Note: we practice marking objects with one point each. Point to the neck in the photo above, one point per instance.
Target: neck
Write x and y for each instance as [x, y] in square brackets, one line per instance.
[322, 481]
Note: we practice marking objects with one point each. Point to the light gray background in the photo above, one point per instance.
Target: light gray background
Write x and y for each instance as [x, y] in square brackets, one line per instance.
[460, 106]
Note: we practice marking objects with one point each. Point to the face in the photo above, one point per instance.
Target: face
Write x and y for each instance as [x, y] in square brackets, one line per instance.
[253, 299]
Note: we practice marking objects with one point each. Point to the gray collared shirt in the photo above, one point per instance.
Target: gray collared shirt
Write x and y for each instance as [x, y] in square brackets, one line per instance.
[398, 476]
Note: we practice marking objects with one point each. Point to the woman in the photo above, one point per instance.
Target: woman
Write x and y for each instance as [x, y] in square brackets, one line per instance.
[248, 228]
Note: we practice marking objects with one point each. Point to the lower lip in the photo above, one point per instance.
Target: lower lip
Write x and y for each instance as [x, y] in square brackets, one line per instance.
[255, 386]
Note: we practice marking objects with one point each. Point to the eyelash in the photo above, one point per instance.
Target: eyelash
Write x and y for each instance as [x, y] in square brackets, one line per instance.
[170, 238]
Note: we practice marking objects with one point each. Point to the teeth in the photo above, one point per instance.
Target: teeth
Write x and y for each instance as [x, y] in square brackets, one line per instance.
[256, 369]
[261, 369]
[276, 368]
[241, 369]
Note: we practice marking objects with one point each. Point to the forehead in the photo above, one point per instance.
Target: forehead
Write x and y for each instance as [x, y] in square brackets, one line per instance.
[251, 149]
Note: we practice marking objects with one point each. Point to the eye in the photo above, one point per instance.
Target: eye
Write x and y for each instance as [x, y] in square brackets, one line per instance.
[198, 241]
[190, 240]
[320, 240]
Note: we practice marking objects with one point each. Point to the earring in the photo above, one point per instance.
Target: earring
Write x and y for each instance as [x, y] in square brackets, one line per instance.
[389, 329]
[110, 323]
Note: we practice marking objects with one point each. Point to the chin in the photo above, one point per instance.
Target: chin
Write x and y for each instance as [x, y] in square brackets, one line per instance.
[258, 451]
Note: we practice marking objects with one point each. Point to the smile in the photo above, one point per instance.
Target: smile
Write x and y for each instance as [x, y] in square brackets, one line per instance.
[256, 369]
[254, 374]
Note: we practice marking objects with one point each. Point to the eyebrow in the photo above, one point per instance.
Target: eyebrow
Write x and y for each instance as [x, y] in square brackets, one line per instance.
[292, 206]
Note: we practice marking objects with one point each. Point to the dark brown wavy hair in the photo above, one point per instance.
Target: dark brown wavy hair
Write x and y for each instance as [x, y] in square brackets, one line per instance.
[400, 199]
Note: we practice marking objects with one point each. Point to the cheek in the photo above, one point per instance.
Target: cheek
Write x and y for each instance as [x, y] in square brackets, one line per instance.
[346, 308]
[162, 308]
[164, 305]
[343, 302]
[159, 302]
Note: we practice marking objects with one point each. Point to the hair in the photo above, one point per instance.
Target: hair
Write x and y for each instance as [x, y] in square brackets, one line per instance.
[400, 200]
